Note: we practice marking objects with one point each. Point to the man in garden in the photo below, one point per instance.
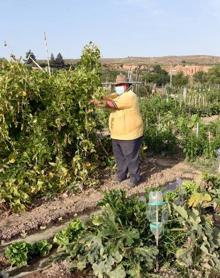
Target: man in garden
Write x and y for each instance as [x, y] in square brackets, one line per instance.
[126, 129]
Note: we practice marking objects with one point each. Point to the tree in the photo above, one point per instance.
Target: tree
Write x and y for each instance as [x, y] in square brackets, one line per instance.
[214, 75]
[180, 80]
[29, 57]
[52, 60]
[157, 76]
[200, 77]
[59, 62]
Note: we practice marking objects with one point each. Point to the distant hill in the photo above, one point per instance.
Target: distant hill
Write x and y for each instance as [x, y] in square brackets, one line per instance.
[164, 60]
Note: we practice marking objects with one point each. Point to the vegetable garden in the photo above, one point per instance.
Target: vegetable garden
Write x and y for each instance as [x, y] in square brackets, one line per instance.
[52, 144]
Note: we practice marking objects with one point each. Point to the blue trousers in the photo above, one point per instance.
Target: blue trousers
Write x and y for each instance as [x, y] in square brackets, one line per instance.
[127, 156]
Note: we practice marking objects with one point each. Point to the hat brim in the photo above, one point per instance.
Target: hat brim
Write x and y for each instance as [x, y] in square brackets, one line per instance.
[119, 83]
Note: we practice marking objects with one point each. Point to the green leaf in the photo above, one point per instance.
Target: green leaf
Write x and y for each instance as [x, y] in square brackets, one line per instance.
[204, 249]
[119, 272]
[101, 268]
[61, 238]
[184, 257]
[81, 264]
[135, 270]
[18, 253]
[42, 248]
[117, 256]
[97, 219]
[181, 210]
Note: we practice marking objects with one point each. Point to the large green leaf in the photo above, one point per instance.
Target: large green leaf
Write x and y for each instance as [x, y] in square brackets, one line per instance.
[119, 272]
[184, 257]
[181, 211]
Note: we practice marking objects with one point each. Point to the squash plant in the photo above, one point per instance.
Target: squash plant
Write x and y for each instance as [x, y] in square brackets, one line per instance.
[115, 242]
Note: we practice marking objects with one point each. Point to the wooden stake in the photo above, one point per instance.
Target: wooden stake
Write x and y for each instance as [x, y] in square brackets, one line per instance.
[48, 59]
[197, 130]
[36, 64]
[209, 135]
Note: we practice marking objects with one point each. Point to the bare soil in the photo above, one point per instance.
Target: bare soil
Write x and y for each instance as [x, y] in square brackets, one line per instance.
[57, 270]
[211, 119]
[156, 171]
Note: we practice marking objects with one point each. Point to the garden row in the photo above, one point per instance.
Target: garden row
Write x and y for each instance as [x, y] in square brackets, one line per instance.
[171, 125]
[117, 240]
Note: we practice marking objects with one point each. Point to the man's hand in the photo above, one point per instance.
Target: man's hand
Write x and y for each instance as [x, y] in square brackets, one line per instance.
[95, 102]
[105, 98]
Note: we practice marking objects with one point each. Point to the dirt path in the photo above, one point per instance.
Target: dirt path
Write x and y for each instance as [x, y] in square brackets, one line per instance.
[210, 119]
[57, 270]
[156, 171]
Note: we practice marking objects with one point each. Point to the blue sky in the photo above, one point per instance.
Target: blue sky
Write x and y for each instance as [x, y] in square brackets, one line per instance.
[120, 28]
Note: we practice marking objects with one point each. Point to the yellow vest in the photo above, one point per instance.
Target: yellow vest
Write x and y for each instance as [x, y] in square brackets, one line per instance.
[126, 122]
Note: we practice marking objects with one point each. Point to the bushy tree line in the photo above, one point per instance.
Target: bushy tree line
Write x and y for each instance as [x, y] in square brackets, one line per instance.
[210, 77]
[160, 77]
[57, 62]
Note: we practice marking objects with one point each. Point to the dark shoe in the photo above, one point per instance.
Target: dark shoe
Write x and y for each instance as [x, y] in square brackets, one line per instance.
[133, 183]
[116, 179]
